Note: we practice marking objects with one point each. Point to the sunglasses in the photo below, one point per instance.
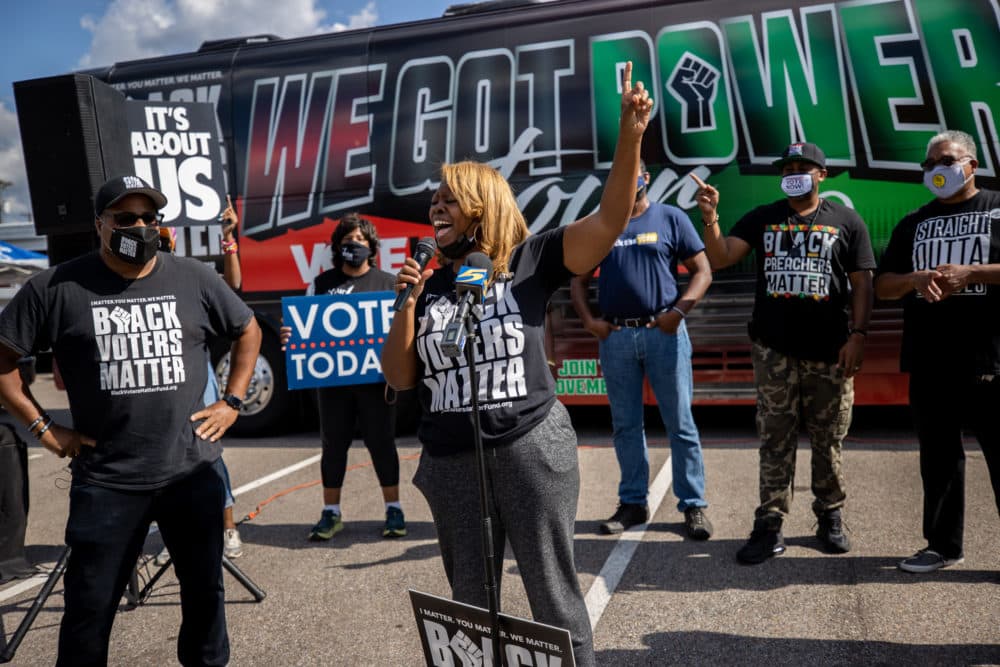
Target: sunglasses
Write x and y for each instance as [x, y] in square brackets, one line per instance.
[129, 219]
[945, 161]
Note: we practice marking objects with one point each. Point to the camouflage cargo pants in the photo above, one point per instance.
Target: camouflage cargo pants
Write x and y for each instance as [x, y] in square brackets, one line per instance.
[793, 392]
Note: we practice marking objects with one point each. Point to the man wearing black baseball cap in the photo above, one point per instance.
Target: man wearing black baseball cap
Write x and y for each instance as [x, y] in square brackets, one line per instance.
[811, 310]
[129, 329]
[802, 152]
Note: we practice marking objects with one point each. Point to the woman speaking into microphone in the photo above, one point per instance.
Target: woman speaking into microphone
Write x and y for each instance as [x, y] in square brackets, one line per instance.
[530, 442]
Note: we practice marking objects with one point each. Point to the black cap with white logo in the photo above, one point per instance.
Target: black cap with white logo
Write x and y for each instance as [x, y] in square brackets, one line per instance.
[123, 186]
[802, 151]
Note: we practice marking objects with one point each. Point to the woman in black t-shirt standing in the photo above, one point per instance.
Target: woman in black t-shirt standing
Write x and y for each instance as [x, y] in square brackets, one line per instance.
[532, 461]
[354, 246]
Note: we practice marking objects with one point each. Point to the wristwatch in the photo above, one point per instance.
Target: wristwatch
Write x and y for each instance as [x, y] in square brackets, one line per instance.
[233, 401]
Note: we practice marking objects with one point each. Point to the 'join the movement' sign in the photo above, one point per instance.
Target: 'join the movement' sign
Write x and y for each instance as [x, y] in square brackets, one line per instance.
[336, 338]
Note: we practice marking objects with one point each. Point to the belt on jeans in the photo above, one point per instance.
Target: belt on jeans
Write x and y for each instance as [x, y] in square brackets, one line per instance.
[634, 322]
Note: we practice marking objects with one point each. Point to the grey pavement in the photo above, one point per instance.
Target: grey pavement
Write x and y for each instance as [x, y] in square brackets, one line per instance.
[678, 603]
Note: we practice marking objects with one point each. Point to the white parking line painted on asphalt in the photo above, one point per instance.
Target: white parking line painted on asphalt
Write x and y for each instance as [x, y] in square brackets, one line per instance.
[278, 474]
[26, 585]
[597, 598]
[38, 580]
[610, 576]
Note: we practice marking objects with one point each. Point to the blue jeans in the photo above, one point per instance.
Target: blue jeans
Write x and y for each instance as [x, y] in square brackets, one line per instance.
[106, 530]
[627, 356]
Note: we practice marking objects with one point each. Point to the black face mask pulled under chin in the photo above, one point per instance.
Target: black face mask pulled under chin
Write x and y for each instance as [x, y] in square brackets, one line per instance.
[135, 245]
[458, 249]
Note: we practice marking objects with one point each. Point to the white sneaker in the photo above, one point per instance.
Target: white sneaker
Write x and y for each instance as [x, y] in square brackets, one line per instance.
[232, 546]
[162, 557]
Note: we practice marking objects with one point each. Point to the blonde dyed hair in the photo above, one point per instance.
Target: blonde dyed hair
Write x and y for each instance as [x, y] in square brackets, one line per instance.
[485, 197]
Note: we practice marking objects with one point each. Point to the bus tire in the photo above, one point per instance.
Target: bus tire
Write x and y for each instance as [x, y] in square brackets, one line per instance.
[267, 402]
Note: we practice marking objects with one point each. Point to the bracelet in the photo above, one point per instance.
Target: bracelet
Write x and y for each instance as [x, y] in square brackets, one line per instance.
[863, 332]
[712, 223]
[230, 248]
[679, 311]
[39, 420]
[45, 427]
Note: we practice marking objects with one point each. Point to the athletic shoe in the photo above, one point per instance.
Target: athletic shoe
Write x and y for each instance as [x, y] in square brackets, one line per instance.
[162, 558]
[927, 560]
[830, 532]
[697, 524]
[232, 546]
[395, 523]
[329, 524]
[626, 516]
[765, 541]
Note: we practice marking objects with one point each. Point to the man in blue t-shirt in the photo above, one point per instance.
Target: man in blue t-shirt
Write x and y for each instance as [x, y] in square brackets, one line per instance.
[642, 334]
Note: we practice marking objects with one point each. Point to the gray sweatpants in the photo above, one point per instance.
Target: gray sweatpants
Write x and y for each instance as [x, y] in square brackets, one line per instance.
[535, 484]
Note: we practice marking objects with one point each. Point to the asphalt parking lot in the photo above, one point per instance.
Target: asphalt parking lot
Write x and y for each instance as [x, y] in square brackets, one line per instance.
[669, 601]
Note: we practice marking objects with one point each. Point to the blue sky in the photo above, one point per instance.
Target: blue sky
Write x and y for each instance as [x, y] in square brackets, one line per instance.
[50, 37]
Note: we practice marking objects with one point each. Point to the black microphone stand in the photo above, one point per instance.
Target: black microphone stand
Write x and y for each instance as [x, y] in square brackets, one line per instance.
[485, 504]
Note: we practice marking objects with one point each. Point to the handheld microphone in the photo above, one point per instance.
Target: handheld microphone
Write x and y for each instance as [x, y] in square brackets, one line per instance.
[426, 247]
[470, 286]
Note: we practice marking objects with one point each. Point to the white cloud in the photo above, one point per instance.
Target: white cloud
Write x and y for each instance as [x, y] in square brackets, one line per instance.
[12, 166]
[131, 29]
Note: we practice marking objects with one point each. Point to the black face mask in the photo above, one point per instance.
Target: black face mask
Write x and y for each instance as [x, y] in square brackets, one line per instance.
[458, 249]
[135, 245]
[353, 253]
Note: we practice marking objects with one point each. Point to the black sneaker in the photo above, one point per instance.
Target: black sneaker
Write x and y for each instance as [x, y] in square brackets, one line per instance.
[697, 524]
[830, 531]
[626, 516]
[765, 541]
[927, 560]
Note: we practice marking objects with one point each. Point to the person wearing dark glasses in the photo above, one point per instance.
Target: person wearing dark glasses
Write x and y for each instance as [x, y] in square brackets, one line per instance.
[130, 327]
[943, 262]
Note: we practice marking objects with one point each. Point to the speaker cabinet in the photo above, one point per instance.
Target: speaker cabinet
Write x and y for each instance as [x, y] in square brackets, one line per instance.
[74, 133]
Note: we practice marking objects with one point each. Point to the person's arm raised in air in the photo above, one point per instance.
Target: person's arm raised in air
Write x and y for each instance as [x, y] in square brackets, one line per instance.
[588, 240]
[231, 271]
[722, 251]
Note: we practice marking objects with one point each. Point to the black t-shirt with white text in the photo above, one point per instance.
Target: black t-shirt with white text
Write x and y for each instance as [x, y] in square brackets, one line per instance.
[802, 289]
[960, 334]
[516, 389]
[132, 355]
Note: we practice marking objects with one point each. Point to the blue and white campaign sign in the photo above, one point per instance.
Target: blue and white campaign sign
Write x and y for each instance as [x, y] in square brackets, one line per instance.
[336, 338]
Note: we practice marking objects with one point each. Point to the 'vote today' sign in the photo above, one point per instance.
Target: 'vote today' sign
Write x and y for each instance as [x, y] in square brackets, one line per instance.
[336, 338]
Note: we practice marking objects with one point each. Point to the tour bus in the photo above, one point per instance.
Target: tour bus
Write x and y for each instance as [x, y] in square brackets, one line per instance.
[360, 120]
